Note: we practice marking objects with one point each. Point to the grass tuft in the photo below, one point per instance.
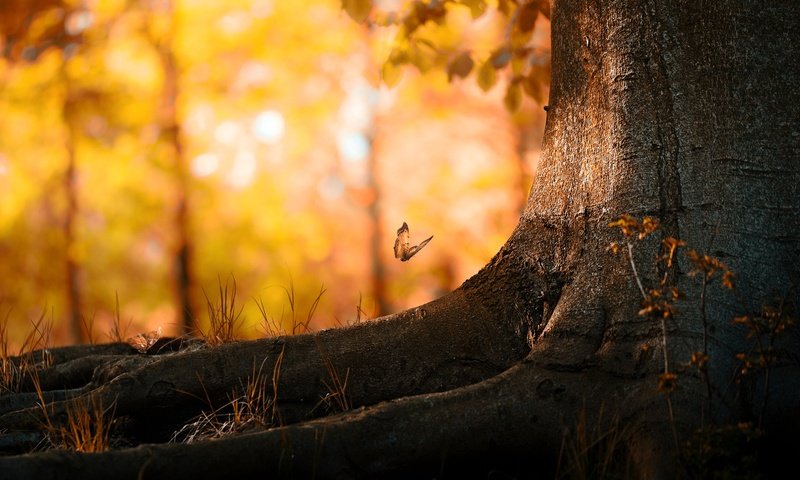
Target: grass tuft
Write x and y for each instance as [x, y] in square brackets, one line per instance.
[88, 423]
[273, 327]
[14, 369]
[117, 333]
[223, 316]
[337, 398]
[594, 452]
[252, 406]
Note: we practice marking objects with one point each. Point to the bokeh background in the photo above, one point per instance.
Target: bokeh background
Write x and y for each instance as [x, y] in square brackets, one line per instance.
[152, 151]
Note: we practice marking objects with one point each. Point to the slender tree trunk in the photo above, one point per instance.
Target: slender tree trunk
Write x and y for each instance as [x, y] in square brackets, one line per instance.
[72, 266]
[653, 111]
[171, 135]
[377, 240]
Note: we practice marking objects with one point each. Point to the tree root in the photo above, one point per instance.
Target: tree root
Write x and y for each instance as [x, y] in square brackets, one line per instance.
[520, 413]
[435, 347]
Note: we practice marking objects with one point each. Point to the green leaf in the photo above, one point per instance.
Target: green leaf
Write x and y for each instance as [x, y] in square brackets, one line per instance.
[460, 66]
[487, 76]
[513, 97]
[357, 9]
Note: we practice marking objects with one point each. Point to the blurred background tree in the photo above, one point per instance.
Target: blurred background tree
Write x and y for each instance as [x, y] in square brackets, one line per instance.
[150, 150]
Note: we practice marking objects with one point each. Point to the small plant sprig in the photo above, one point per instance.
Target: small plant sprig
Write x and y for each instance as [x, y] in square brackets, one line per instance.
[764, 328]
[632, 230]
[658, 303]
[708, 269]
[724, 451]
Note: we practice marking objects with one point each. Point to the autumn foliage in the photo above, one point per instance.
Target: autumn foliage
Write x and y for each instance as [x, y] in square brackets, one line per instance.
[150, 150]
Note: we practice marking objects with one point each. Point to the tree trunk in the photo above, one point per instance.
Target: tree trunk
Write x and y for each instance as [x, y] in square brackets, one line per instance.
[72, 258]
[683, 111]
[377, 239]
[183, 271]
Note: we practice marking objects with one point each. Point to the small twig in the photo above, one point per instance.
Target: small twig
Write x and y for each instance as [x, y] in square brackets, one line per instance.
[704, 318]
[635, 272]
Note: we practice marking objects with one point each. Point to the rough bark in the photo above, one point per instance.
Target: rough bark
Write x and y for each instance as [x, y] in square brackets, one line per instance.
[685, 111]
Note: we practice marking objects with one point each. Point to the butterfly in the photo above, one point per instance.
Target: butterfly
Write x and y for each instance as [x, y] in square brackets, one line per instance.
[143, 341]
[402, 245]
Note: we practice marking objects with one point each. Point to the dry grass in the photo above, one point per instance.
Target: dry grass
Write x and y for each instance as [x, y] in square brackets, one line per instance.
[361, 315]
[337, 398]
[88, 423]
[270, 326]
[273, 327]
[88, 427]
[87, 326]
[252, 407]
[13, 371]
[594, 452]
[117, 333]
[223, 317]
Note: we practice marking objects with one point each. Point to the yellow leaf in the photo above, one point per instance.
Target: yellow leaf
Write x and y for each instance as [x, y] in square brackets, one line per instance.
[423, 54]
[476, 7]
[513, 97]
[357, 9]
[391, 73]
[504, 7]
[487, 76]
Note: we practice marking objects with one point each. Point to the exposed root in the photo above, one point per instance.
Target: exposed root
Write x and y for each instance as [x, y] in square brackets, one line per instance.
[445, 344]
